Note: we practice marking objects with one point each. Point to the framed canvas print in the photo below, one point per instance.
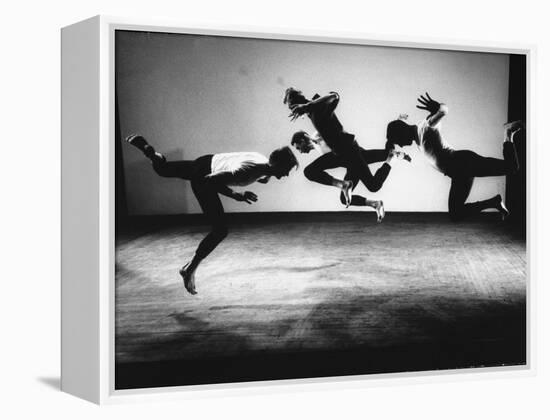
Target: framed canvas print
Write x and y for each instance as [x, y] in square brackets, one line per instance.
[242, 207]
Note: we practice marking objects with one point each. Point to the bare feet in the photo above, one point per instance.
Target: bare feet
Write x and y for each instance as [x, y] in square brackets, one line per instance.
[188, 279]
[137, 141]
[512, 128]
[380, 212]
[347, 187]
[504, 213]
[140, 143]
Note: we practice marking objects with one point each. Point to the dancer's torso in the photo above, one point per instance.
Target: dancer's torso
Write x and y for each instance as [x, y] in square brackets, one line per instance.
[435, 149]
[330, 129]
[320, 144]
[247, 167]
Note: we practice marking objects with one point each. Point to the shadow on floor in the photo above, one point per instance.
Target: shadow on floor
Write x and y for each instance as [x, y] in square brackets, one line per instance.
[365, 334]
[52, 382]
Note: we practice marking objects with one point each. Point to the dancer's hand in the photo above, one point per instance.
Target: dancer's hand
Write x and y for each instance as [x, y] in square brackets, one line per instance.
[247, 196]
[297, 111]
[428, 104]
[398, 154]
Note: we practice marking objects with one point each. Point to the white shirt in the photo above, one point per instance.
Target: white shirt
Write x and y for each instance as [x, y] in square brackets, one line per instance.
[320, 145]
[245, 166]
[431, 143]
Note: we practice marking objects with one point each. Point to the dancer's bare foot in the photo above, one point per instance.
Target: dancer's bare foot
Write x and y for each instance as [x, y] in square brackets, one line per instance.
[347, 187]
[188, 278]
[380, 211]
[512, 128]
[504, 213]
[137, 141]
[140, 143]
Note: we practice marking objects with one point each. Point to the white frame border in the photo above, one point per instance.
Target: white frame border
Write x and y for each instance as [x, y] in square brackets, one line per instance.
[107, 393]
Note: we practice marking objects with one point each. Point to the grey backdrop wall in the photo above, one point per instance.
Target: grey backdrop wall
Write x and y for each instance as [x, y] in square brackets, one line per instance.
[195, 95]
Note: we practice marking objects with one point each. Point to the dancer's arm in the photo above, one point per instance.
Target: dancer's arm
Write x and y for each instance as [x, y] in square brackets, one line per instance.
[223, 189]
[221, 180]
[328, 102]
[436, 109]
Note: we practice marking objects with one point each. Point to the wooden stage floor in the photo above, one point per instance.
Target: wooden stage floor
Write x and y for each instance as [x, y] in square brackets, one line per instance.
[319, 295]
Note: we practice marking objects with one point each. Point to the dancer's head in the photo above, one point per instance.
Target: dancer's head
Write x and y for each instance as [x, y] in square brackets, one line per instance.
[282, 161]
[294, 97]
[302, 142]
[400, 133]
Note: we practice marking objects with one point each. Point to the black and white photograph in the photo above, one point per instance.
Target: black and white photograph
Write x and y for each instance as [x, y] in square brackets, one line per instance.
[292, 209]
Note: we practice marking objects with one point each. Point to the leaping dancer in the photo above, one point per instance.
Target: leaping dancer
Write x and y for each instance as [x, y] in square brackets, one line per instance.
[344, 150]
[305, 143]
[211, 175]
[462, 166]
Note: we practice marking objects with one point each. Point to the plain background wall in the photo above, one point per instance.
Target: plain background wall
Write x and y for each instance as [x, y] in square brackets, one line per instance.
[30, 214]
[195, 95]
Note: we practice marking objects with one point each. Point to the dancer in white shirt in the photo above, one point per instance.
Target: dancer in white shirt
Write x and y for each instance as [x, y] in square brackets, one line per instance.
[211, 175]
[462, 166]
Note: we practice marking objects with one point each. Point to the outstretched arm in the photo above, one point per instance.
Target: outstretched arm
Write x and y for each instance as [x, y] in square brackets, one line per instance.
[329, 102]
[220, 181]
[436, 109]
[264, 180]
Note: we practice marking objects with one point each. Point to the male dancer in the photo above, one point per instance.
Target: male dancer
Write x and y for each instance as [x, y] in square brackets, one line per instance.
[462, 166]
[320, 111]
[211, 175]
[305, 143]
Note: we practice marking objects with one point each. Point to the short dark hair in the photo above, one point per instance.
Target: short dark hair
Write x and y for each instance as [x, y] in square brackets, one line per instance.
[283, 157]
[297, 137]
[396, 130]
[294, 96]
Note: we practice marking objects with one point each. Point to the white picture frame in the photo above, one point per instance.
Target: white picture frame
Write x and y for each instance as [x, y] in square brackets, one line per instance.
[88, 209]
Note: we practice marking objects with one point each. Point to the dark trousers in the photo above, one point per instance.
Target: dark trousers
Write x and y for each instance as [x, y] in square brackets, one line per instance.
[356, 163]
[206, 194]
[462, 166]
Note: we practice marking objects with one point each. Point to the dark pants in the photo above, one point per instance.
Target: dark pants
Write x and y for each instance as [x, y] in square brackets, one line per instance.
[206, 194]
[356, 162]
[462, 166]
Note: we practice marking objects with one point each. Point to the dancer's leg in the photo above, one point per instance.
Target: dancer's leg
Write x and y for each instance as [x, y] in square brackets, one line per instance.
[316, 172]
[481, 166]
[213, 209]
[356, 200]
[459, 209]
[354, 161]
[360, 201]
[464, 166]
[381, 155]
[374, 155]
[184, 169]
[476, 165]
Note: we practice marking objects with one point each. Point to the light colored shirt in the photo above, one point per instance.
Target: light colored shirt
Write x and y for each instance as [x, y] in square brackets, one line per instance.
[320, 145]
[431, 143]
[246, 167]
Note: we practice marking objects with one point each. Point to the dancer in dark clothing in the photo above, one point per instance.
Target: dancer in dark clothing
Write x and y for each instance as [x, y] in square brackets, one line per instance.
[211, 175]
[462, 166]
[320, 111]
[316, 171]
